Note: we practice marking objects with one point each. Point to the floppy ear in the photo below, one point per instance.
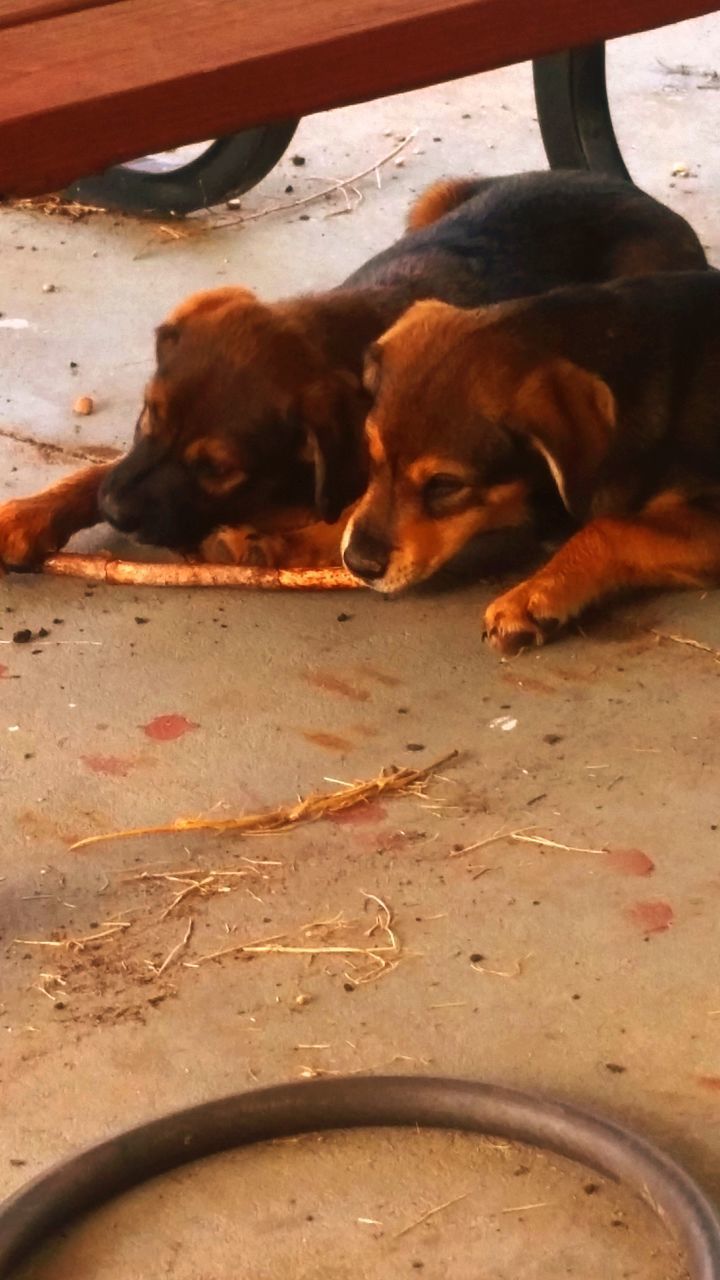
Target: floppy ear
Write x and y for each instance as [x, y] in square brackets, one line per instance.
[333, 413]
[570, 416]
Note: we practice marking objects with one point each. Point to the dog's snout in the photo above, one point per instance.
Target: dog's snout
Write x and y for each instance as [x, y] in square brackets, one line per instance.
[117, 510]
[367, 555]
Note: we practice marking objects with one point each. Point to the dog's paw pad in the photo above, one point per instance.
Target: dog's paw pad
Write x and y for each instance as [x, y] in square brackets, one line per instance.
[520, 619]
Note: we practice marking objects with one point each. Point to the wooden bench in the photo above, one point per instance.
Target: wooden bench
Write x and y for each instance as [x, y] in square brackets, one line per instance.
[90, 83]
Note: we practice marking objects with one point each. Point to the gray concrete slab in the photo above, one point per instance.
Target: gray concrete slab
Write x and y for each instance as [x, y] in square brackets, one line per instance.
[598, 976]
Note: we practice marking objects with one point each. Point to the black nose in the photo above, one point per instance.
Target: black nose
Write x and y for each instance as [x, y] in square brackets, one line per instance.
[367, 556]
[118, 513]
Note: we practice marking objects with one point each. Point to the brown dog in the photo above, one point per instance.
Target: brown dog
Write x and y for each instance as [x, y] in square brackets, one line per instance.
[604, 395]
[254, 414]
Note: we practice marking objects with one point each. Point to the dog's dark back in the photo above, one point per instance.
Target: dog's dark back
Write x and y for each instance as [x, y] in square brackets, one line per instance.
[655, 341]
[591, 228]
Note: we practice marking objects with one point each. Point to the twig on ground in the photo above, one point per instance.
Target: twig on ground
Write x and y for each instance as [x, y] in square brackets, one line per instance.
[339, 185]
[516, 972]
[380, 958]
[431, 1214]
[179, 946]
[284, 817]
[554, 844]
[688, 641]
[495, 838]
[75, 944]
[138, 573]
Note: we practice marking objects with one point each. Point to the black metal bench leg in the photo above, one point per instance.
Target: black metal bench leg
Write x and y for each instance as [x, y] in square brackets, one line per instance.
[574, 113]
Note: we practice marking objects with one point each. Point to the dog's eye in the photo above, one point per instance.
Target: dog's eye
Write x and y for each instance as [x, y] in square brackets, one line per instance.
[441, 490]
[441, 486]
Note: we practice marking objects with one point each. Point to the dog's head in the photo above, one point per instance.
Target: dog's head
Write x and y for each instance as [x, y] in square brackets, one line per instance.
[242, 415]
[466, 424]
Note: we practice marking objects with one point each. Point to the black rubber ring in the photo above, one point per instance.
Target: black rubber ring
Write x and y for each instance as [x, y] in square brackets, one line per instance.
[95, 1175]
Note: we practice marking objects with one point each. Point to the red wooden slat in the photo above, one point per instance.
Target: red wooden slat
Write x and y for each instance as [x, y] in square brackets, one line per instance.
[88, 89]
[18, 13]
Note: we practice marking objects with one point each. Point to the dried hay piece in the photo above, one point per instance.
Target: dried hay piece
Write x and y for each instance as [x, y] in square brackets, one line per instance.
[284, 817]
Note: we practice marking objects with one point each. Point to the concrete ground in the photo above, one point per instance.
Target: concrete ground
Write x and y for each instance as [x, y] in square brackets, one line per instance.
[582, 973]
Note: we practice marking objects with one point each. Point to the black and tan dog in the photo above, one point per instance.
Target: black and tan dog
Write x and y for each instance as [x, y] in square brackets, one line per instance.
[254, 414]
[607, 396]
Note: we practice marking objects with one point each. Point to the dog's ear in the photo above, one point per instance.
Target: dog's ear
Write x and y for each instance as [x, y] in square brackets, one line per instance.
[570, 416]
[333, 412]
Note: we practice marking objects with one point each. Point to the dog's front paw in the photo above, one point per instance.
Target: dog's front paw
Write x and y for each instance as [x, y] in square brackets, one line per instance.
[27, 533]
[243, 545]
[529, 614]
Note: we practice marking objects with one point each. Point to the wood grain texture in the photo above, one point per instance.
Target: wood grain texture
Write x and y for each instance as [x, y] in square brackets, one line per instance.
[91, 88]
[18, 13]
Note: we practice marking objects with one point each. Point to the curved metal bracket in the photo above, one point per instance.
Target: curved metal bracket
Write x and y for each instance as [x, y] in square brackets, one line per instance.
[574, 112]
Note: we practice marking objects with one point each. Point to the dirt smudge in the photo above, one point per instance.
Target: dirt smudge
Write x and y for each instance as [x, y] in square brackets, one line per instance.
[712, 1083]
[331, 683]
[528, 684]
[359, 815]
[630, 862]
[328, 741]
[653, 916]
[110, 766]
[381, 677]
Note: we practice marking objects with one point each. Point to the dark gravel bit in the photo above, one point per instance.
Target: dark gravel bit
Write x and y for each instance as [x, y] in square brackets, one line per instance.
[552, 738]
[615, 1068]
[298, 161]
[141, 621]
[414, 746]
[23, 637]
[344, 617]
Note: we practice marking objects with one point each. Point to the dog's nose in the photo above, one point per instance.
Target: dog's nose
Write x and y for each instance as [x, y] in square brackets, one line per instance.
[367, 556]
[117, 513]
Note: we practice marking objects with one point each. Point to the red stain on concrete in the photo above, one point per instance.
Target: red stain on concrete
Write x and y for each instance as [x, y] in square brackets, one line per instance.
[335, 684]
[3, 671]
[359, 815]
[630, 862]
[328, 741]
[709, 1082]
[167, 728]
[382, 677]
[653, 916]
[109, 766]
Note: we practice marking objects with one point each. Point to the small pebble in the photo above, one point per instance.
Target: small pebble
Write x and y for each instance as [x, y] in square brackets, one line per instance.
[298, 160]
[23, 637]
[49, 288]
[84, 405]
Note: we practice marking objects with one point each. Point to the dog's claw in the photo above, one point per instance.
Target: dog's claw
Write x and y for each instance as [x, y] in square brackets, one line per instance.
[517, 620]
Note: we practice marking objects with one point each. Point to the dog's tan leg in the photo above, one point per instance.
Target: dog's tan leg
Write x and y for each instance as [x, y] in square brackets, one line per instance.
[31, 528]
[669, 544]
[316, 546]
